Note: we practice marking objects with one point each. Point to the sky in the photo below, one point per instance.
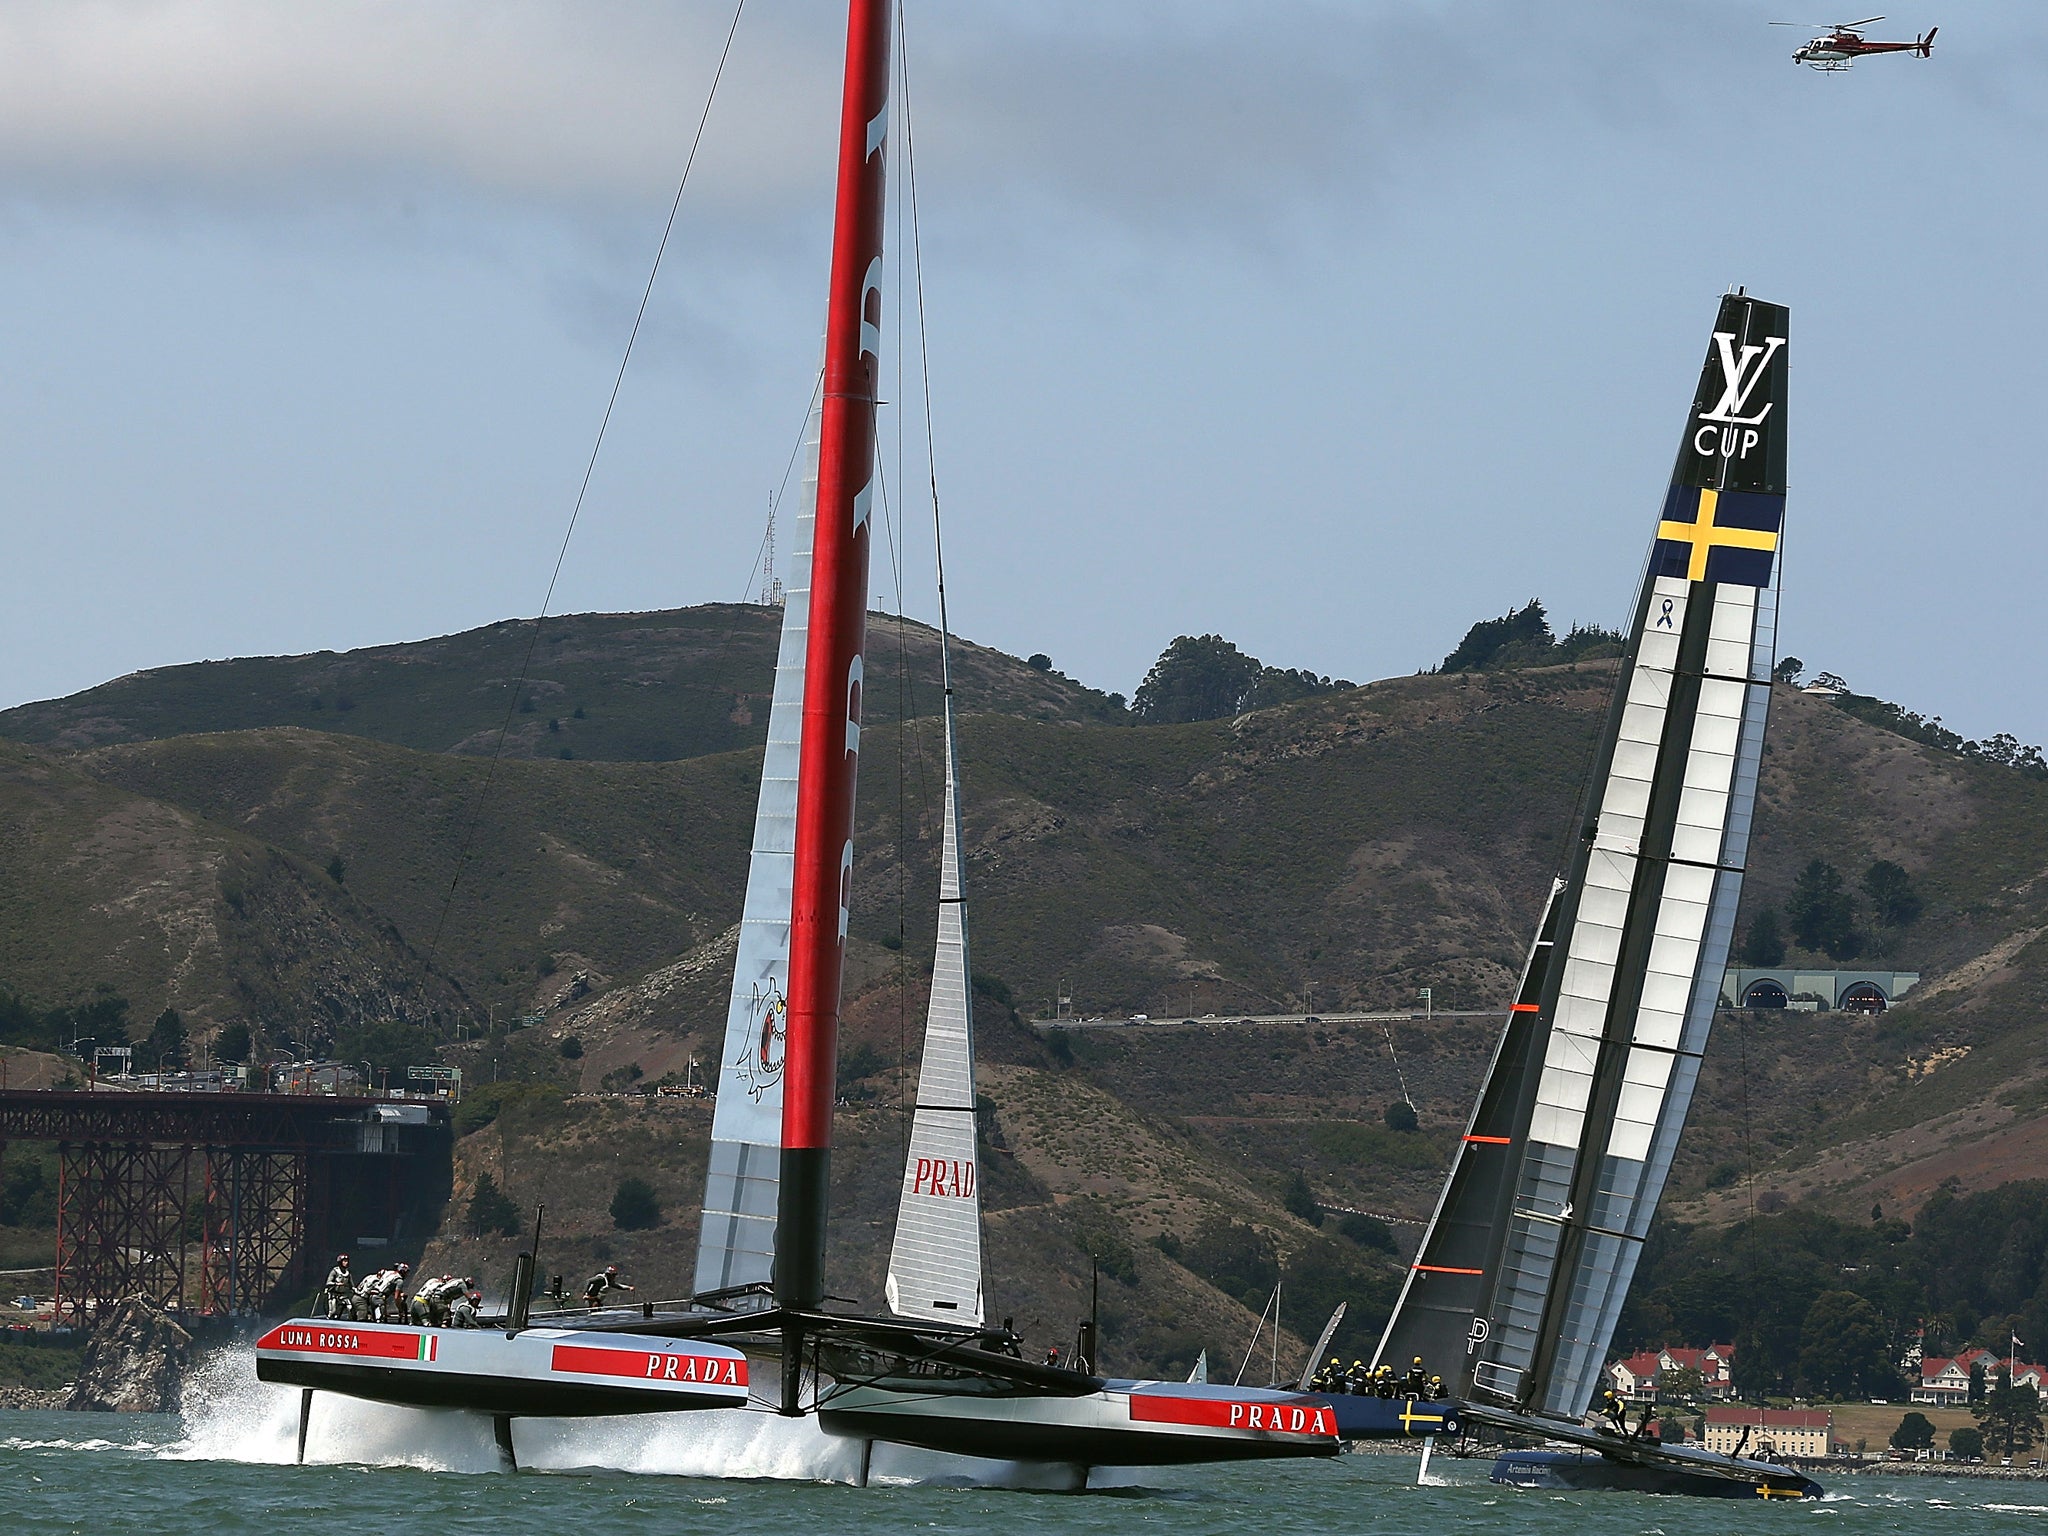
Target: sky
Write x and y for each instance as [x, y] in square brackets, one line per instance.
[1327, 327]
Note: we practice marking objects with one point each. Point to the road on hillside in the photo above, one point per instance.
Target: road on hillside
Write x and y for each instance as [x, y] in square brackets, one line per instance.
[1243, 1019]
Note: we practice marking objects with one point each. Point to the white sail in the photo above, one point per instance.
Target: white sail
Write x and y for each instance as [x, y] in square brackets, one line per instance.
[736, 1246]
[935, 1262]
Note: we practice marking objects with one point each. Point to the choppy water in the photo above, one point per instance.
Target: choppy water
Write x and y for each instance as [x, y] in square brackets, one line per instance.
[225, 1469]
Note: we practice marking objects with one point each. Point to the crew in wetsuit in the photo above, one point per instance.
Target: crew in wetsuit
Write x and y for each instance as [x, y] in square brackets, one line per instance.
[463, 1312]
[606, 1279]
[339, 1293]
[1416, 1380]
[1383, 1384]
[1437, 1391]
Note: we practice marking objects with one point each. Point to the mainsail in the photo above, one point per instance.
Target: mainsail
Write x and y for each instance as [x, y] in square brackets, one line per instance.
[935, 1262]
[736, 1246]
[1581, 1112]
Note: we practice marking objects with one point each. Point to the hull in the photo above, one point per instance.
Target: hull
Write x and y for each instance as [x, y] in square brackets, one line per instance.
[1124, 1424]
[1393, 1418]
[1715, 1477]
[541, 1372]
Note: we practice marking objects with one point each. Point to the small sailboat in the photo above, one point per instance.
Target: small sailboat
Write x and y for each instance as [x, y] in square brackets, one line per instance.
[1519, 1282]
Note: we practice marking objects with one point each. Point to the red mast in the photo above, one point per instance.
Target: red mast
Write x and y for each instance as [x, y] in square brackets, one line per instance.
[830, 749]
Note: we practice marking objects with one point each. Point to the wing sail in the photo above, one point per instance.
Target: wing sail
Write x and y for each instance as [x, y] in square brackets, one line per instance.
[935, 1261]
[1648, 910]
[736, 1247]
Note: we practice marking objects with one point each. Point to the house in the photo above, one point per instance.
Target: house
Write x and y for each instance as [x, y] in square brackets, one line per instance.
[1769, 1431]
[1945, 1381]
[1641, 1377]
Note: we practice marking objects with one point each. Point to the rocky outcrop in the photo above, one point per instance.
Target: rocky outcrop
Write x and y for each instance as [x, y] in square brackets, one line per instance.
[135, 1362]
[29, 1398]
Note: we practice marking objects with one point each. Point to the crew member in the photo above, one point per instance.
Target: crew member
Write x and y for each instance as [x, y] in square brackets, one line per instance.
[1437, 1390]
[462, 1313]
[339, 1293]
[1614, 1411]
[1417, 1378]
[1052, 1356]
[382, 1297]
[606, 1279]
[1383, 1383]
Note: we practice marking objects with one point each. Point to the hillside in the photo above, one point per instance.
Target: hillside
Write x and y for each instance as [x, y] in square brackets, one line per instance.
[626, 687]
[1338, 852]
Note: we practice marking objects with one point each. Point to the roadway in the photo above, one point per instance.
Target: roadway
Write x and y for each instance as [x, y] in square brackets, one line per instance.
[1404, 1016]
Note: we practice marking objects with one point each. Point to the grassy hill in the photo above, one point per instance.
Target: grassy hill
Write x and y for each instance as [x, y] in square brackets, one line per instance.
[629, 687]
[203, 837]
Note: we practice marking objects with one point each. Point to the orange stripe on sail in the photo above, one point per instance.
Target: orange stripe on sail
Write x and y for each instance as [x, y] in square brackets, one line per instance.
[1525, 1008]
[1492, 1141]
[1447, 1269]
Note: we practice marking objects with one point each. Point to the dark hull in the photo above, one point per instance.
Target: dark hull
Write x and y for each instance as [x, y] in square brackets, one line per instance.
[1394, 1418]
[1589, 1470]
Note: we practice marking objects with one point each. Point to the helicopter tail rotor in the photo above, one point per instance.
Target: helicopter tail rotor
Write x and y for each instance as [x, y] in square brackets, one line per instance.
[1925, 47]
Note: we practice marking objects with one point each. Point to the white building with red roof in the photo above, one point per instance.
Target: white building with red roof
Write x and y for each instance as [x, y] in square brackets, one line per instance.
[1640, 1377]
[1945, 1379]
[1769, 1431]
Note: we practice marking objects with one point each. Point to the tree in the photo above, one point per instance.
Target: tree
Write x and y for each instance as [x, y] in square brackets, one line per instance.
[336, 870]
[1300, 1200]
[167, 1040]
[1038, 661]
[1671, 1430]
[1787, 670]
[491, 1211]
[1966, 1444]
[1915, 1433]
[1682, 1382]
[1893, 901]
[571, 1048]
[1368, 1232]
[232, 1043]
[1765, 944]
[1845, 1349]
[1197, 677]
[635, 1206]
[2009, 1417]
[1400, 1116]
[1509, 638]
[1822, 912]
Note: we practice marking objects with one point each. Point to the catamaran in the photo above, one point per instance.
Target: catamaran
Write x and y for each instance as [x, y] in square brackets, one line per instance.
[1519, 1282]
[930, 1374]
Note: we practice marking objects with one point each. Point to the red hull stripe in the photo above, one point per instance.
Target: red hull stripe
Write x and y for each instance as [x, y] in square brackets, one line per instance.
[1447, 1269]
[1492, 1141]
[359, 1343]
[1297, 1418]
[1526, 1008]
[651, 1365]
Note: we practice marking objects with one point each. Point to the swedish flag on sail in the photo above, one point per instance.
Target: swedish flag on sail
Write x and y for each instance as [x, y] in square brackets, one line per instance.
[1709, 535]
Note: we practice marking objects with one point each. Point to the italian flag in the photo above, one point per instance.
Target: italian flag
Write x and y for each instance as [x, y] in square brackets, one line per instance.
[429, 1346]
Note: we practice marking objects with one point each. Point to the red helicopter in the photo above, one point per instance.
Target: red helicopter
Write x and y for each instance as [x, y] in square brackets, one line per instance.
[1842, 45]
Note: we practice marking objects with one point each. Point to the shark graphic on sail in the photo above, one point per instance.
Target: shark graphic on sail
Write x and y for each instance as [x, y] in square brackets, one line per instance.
[1518, 1285]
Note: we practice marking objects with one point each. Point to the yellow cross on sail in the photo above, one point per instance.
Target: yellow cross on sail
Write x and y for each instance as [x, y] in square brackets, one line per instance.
[1704, 536]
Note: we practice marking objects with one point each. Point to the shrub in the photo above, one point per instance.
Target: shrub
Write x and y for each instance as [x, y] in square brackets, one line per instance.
[1369, 1232]
[1301, 1201]
[635, 1206]
[571, 1048]
[491, 1211]
[1400, 1116]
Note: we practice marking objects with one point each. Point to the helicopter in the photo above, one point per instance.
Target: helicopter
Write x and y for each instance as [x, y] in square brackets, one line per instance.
[1841, 45]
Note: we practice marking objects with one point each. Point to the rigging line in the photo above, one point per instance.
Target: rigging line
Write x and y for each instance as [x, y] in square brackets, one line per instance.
[909, 183]
[1399, 1076]
[583, 490]
[775, 502]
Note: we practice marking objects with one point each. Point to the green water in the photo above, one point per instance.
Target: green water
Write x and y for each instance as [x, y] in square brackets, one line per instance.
[224, 1469]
